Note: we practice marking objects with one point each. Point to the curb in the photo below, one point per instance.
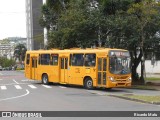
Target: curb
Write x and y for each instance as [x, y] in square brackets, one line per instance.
[136, 100]
[153, 83]
[152, 89]
[20, 71]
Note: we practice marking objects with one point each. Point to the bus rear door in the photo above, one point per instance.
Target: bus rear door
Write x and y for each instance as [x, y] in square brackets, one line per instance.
[102, 72]
[34, 67]
[64, 70]
[28, 66]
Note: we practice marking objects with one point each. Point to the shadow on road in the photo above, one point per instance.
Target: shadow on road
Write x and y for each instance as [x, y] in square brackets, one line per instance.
[113, 90]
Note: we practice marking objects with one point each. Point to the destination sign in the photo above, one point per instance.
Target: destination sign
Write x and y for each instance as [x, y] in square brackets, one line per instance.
[119, 53]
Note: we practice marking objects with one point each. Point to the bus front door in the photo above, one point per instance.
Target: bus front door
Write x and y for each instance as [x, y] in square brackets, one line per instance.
[64, 70]
[34, 67]
[102, 72]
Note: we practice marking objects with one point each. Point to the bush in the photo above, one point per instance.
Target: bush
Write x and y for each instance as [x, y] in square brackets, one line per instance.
[19, 68]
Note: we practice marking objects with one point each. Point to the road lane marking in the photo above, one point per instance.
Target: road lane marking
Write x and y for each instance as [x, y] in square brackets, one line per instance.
[15, 81]
[1, 79]
[46, 86]
[13, 84]
[62, 87]
[24, 80]
[32, 86]
[1, 74]
[27, 92]
[28, 80]
[18, 87]
[3, 87]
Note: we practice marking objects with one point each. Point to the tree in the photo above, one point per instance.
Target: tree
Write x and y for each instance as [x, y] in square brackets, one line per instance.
[4, 62]
[50, 13]
[135, 29]
[146, 15]
[75, 27]
[4, 41]
[19, 52]
[110, 7]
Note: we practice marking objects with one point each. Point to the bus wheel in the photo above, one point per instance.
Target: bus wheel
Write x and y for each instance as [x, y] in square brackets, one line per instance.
[45, 79]
[88, 83]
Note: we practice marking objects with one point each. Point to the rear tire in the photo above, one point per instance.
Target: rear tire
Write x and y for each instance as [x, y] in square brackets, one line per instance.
[88, 84]
[45, 79]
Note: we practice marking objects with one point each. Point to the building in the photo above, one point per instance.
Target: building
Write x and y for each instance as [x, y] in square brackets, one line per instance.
[17, 40]
[35, 39]
[7, 49]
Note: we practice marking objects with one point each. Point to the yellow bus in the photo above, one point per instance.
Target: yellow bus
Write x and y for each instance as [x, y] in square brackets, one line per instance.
[101, 67]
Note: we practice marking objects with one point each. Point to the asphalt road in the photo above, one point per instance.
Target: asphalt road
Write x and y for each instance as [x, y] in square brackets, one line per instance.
[20, 94]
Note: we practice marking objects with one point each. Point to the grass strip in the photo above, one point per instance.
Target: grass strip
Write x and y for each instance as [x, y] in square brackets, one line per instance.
[152, 79]
[140, 98]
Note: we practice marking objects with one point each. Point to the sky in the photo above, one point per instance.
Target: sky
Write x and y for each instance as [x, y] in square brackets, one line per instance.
[12, 18]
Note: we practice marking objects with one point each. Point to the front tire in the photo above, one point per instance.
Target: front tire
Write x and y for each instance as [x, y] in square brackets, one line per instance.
[45, 79]
[88, 83]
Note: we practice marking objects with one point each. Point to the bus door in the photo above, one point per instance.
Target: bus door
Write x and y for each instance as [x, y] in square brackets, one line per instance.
[102, 71]
[34, 67]
[28, 66]
[64, 70]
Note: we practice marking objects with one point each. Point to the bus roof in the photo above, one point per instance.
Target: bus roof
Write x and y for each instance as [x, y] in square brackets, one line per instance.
[75, 50]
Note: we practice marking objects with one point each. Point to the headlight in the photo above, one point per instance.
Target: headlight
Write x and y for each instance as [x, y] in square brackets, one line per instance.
[112, 79]
[130, 79]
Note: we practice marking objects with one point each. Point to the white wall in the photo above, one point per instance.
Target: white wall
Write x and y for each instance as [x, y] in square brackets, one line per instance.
[150, 68]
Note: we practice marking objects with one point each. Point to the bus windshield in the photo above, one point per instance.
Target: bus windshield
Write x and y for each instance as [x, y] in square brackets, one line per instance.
[119, 62]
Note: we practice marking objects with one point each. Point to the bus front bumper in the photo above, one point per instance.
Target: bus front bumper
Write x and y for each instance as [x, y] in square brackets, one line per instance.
[119, 84]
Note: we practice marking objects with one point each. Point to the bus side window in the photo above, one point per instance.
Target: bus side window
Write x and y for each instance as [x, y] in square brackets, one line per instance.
[54, 59]
[77, 59]
[45, 59]
[90, 59]
[28, 59]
